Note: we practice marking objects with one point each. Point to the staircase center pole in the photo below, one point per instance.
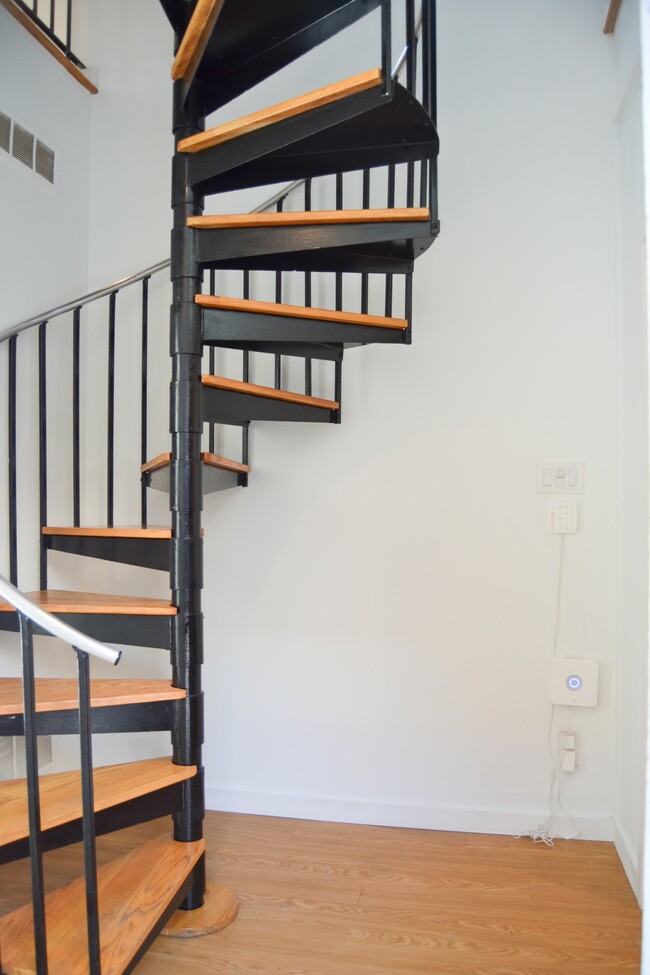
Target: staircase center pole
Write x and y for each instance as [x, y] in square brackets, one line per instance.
[186, 493]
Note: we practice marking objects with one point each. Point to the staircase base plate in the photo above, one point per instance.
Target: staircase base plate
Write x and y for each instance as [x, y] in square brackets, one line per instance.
[219, 910]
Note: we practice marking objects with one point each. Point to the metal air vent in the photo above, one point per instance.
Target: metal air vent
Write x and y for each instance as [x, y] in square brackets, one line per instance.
[12, 756]
[44, 161]
[5, 132]
[24, 146]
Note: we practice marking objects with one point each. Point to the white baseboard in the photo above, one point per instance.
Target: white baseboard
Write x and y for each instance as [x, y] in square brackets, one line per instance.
[409, 815]
[629, 858]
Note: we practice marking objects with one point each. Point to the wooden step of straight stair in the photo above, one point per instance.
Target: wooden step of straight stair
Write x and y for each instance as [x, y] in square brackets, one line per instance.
[137, 893]
[284, 110]
[61, 793]
[308, 218]
[61, 693]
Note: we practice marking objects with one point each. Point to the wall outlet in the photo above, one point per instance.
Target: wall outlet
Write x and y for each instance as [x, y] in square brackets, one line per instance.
[560, 477]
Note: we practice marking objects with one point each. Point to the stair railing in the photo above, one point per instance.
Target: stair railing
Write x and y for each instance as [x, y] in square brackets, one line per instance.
[31, 616]
[56, 23]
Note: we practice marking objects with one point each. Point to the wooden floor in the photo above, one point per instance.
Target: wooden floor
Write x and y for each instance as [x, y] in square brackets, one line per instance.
[326, 899]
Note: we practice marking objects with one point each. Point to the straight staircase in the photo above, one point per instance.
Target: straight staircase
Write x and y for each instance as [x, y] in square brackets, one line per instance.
[103, 922]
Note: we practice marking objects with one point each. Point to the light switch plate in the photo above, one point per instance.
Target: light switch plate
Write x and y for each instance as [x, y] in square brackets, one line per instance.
[560, 477]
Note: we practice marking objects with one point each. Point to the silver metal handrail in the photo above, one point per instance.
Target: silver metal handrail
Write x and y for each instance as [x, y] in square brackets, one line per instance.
[56, 627]
[155, 268]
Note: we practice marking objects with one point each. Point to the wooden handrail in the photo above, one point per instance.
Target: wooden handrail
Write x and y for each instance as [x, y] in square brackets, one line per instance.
[195, 40]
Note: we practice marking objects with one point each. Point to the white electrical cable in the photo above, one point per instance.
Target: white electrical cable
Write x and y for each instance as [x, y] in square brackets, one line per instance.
[542, 833]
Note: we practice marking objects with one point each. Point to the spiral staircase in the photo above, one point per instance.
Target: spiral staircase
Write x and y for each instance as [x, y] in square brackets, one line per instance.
[104, 921]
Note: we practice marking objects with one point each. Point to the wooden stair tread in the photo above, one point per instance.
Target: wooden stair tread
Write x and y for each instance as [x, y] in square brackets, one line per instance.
[195, 39]
[284, 110]
[60, 693]
[308, 218]
[236, 386]
[61, 793]
[118, 531]
[212, 460]
[298, 311]
[134, 891]
[62, 601]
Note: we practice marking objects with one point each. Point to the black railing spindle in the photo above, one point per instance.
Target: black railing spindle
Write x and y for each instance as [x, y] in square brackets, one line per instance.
[88, 814]
[411, 42]
[42, 445]
[386, 46]
[338, 280]
[110, 414]
[365, 203]
[68, 26]
[76, 418]
[278, 301]
[408, 305]
[33, 794]
[144, 383]
[11, 444]
[308, 299]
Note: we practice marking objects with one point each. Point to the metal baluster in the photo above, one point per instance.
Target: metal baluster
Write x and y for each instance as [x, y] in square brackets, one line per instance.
[408, 306]
[11, 436]
[278, 301]
[33, 794]
[144, 416]
[308, 299]
[68, 29]
[338, 289]
[42, 445]
[364, 276]
[386, 45]
[246, 372]
[88, 814]
[76, 439]
[52, 14]
[212, 367]
[389, 277]
[411, 41]
[110, 424]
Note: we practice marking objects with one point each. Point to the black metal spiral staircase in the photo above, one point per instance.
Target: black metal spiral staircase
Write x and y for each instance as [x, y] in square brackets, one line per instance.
[363, 124]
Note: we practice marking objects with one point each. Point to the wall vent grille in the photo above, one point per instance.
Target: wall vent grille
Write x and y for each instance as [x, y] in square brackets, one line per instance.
[12, 756]
[23, 145]
[5, 132]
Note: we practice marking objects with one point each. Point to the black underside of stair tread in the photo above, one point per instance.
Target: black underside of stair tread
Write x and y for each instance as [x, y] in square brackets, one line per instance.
[130, 718]
[132, 631]
[390, 131]
[289, 335]
[361, 246]
[253, 39]
[142, 809]
[227, 406]
[148, 553]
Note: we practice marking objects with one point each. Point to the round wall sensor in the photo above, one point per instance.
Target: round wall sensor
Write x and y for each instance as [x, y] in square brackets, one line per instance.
[574, 682]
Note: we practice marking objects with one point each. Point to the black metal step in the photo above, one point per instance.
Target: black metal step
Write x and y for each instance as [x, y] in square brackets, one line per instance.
[149, 553]
[233, 402]
[394, 131]
[238, 325]
[211, 163]
[253, 39]
[401, 242]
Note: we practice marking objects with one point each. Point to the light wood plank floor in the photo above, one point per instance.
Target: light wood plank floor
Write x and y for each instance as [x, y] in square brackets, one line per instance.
[328, 899]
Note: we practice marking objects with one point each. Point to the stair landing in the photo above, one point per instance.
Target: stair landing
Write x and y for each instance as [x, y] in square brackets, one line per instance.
[136, 892]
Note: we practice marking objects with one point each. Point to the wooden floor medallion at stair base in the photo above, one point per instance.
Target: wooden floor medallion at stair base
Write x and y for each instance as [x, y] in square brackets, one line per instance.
[137, 892]
[220, 909]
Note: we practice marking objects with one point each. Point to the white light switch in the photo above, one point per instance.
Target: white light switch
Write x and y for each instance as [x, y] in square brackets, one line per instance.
[560, 477]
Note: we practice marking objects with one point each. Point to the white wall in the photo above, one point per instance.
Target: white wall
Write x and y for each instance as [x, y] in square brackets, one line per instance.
[39, 94]
[380, 602]
[632, 460]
